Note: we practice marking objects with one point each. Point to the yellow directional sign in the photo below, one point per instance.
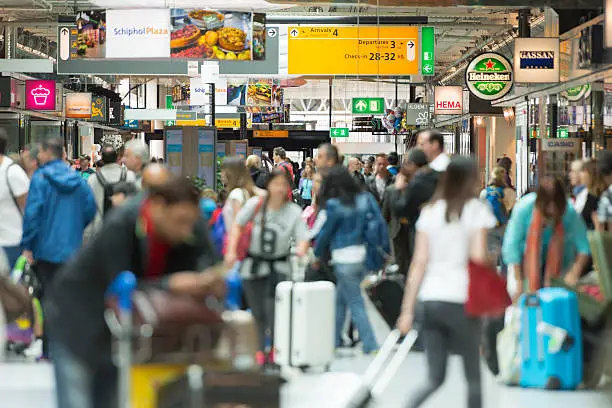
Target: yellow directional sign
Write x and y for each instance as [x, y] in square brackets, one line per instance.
[353, 50]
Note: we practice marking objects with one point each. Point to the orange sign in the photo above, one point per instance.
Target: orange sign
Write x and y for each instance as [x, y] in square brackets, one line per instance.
[260, 134]
[353, 50]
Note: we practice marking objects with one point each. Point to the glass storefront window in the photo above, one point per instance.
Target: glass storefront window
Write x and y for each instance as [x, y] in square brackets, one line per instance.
[11, 127]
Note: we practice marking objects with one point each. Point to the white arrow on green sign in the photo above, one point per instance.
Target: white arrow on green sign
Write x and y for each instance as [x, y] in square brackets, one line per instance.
[339, 132]
[368, 106]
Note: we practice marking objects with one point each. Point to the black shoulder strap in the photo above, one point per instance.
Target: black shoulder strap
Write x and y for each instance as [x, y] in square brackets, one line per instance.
[10, 189]
[101, 178]
[123, 174]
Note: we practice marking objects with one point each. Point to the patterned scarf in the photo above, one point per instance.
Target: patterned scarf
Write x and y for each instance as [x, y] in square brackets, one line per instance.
[533, 252]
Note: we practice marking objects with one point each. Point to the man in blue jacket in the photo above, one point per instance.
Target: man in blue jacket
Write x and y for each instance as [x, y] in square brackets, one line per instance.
[59, 207]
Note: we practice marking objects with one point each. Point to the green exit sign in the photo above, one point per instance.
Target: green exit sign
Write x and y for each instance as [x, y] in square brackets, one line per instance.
[339, 132]
[368, 106]
[428, 45]
[169, 105]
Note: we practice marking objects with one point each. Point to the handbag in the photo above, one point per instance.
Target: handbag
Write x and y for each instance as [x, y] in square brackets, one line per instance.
[509, 349]
[487, 293]
[14, 299]
[244, 242]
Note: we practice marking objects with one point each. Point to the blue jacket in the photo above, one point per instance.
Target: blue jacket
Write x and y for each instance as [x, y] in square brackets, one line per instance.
[515, 239]
[60, 205]
[344, 226]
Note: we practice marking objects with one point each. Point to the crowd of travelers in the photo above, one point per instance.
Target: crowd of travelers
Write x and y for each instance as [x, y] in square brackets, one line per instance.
[428, 213]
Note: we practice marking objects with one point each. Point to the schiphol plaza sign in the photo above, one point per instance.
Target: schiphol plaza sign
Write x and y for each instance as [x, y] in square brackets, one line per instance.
[489, 76]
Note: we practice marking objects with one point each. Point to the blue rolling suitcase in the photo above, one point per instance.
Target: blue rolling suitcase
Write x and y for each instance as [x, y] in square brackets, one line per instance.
[551, 340]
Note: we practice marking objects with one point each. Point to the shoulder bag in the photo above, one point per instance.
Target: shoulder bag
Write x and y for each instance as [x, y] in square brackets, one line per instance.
[244, 241]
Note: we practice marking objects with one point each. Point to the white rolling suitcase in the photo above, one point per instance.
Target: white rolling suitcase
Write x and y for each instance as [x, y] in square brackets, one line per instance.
[305, 324]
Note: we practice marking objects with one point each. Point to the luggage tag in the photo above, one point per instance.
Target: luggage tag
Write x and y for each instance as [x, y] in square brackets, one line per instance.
[557, 336]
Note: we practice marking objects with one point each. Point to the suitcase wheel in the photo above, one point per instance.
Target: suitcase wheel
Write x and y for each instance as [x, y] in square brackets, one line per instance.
[304, 368]
[553, 383]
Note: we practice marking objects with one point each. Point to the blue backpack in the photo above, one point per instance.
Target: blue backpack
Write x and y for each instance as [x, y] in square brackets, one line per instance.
[218, 232]
[495, 196]
[378, 246]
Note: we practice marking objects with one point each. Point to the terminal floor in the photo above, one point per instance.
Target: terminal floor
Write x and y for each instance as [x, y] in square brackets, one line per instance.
[25, 385]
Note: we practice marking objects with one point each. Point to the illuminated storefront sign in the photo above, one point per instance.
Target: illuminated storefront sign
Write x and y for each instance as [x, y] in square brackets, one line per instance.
[40, 95]
[536, 60]
[489, 76]
[448, 100]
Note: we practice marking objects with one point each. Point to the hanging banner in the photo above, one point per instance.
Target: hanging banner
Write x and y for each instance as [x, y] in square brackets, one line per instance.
[206, 156]
[217, 35]
[115, 112]
[264, 92]
[199, 92]
[489, 76]
[174, 150]
[138, 33]
[448, 100]
[536, 60]
[98, 109]
[363, 50]
[221, 92]
[417, 114]
[88, 40]
[78, 105]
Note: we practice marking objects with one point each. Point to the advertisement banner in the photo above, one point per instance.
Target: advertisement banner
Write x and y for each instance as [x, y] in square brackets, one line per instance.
[217, 35]
[78, 105]
[138, 33]
[448, 100]
[489, 76]
[221, 92]
[40, 95]
[199, 92]
[98, 109]
[561, 145]
[114, 112]
[264, 92]
[536, 60]
[206, 156]
[88, 39]
[174, 150]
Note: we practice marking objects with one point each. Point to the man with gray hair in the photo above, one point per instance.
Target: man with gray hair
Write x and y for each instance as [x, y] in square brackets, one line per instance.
[135, 157]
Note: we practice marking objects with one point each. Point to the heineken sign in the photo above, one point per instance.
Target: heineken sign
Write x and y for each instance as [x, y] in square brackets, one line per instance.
[489, 76]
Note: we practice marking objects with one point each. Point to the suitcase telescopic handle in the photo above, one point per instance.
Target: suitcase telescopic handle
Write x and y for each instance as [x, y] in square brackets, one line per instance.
[123, 288]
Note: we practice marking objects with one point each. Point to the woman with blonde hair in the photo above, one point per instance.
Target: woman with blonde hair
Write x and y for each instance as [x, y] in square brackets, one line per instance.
[587, 200]
[239, 183]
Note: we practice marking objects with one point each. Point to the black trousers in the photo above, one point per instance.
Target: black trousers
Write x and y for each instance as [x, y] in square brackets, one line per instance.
[445, 326]
[403, 248]
[46, 272]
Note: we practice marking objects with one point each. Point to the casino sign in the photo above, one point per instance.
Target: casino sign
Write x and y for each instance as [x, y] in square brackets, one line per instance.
[489, 76]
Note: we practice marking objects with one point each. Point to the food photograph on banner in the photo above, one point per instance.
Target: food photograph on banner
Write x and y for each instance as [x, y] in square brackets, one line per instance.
[264, 92]
[90, 41]
[217, 35]
[78, 105]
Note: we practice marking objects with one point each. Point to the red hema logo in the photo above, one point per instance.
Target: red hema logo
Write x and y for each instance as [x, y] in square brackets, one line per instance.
[448, 105]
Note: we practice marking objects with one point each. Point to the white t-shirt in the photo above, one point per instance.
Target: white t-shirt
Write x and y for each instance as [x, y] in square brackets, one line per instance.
[446, 278]
[11, 227]
[236, 195]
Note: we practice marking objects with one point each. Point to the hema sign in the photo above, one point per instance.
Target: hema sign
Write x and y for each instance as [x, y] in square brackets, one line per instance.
[448, 100]
[536, 60]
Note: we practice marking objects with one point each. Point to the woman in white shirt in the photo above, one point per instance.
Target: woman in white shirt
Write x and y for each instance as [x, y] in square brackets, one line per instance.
[450, 231]
[239, 186]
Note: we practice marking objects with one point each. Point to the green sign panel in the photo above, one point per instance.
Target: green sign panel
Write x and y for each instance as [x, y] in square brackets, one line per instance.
[489, 76]
[428, 44]
[169, 106]
[368, 106]
[339, 132]
[562, 133]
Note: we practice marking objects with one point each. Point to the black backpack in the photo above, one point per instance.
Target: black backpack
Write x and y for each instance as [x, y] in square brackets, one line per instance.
[109, 190]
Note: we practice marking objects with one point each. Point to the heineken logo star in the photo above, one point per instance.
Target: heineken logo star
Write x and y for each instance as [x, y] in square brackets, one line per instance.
[489, 64]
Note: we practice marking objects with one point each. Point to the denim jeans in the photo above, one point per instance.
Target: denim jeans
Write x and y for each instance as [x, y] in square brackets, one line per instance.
[80, 386]
[12, 254]
[348, 295]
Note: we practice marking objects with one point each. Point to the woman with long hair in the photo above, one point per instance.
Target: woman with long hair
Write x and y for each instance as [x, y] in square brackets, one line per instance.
[343, 236]
[240, 187]
[451, 231]
[277, 222]
[587, 200]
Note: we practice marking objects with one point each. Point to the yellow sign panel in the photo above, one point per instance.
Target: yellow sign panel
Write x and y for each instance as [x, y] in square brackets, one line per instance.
[259, 134]
[354, 50]
[227, 123]
[199, 122]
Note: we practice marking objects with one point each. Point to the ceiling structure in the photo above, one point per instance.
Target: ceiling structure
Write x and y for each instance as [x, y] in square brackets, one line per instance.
[459, 30]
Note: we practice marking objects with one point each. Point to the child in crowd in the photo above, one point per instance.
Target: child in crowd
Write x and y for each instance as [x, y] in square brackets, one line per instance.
[208, 203]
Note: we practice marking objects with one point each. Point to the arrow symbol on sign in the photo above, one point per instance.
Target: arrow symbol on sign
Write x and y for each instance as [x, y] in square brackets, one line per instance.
[361, 105]
[427, 68]
[411, 44]
[335, 132]
[294, 33]
[271, 32]
[65, 31]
